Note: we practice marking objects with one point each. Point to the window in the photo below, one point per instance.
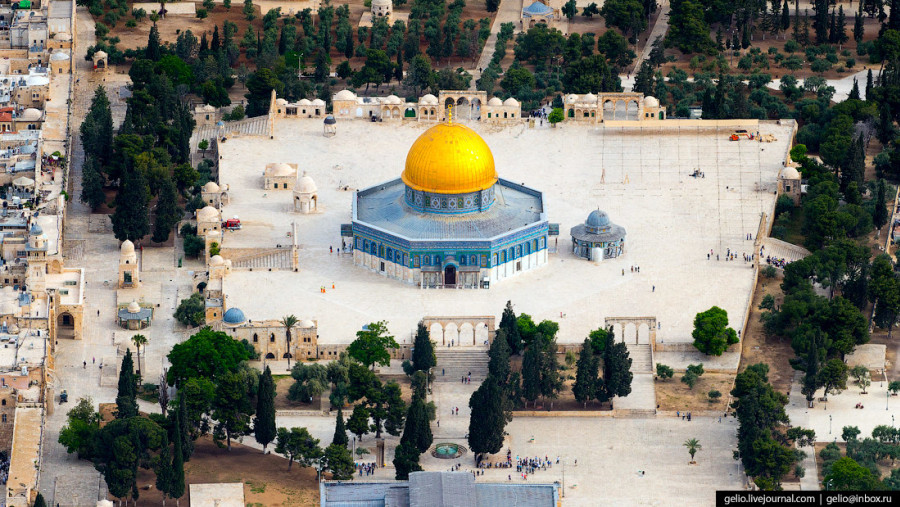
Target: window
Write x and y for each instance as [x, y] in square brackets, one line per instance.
[255, 338]
[3, 403]
[3, 418]
[272, 338]
[787, 188]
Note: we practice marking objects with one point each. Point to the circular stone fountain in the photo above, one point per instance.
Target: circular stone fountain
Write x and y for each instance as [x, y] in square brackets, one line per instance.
[448, 450]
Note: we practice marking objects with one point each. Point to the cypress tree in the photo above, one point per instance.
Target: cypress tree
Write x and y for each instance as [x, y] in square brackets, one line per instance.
[423, 358]
[488, 419]
[785, 16]
[154, 50]
[39, 501]
[832, 28]
[585, 374]
[417, 429]
[92, 183]
[509, 325]
[854, 92]
[164, 474]
[131, 218]
[745, 38]
[531, 373]
[214, 45]
[617, 374]
[820, 22]
[894, 19]
[176, 491]
[859, 29]
[869, 84]
[167, 211]
[811, 373]
[406, 460]
[183, 429]
[340, 430]
[97, 128]
[126, 399]
[498, 366]
[264, 423]
[880, 216]
[841, 35]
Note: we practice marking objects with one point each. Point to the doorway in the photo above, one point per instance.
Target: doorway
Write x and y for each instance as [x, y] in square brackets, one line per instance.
[450, 276]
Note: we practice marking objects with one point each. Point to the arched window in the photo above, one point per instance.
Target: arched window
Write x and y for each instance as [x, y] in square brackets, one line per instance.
[272, 338]
[3, 403]
[255, 338]
[3, 418]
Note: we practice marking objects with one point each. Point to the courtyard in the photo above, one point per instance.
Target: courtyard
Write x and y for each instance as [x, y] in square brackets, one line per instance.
[640, 176]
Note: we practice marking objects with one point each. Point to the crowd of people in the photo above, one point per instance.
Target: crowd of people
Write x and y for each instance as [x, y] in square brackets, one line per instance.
[524, 465]
[775, 261]
[365, 469]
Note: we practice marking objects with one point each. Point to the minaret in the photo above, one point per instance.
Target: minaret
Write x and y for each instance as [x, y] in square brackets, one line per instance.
[37, 259]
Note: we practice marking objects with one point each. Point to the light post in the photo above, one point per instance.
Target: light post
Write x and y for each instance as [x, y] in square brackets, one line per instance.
[829, 424]
[564, 477]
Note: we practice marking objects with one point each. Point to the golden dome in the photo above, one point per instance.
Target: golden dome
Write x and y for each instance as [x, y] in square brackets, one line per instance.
[449, 159]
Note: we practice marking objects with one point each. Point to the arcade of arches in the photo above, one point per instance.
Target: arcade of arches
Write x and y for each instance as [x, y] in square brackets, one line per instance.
[466, 331]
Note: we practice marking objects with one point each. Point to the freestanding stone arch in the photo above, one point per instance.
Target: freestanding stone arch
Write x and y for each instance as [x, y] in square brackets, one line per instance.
[465, 331]
[633, 324]
[467, 104]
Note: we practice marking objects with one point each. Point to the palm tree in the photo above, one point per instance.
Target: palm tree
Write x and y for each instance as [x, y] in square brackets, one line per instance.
[288, 321]
[139, 341]
[693, 445]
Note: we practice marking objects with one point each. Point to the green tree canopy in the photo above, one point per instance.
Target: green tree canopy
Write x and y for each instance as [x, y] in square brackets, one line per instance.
[207, 354]
[372, 344]
[711, 333]
[298, 445]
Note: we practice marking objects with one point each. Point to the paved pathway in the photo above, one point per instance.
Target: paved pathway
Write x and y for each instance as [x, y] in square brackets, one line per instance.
[510, 11]
[659, 30]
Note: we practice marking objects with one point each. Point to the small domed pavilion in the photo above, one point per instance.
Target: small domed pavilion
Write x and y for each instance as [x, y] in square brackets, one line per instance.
[598, 238]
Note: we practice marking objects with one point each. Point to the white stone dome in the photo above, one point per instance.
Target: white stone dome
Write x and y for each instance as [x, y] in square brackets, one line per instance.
[306, 185]
[30, 114]
[392, 99]
[495, 101]
[304, 102]
[651, 101]
[589, 98]
[429, 99]
[206, 108]
[100, 54]
[211, 187]
[318, 102]
[127, 247]
[282, 170]
[216, 260]
[281, 102]
[571, 98]
[307, 324]
[381, 3]
[511, 102]
[345, 95]
[58, 56]
[208, 214]
[790, 173]
[134, 307]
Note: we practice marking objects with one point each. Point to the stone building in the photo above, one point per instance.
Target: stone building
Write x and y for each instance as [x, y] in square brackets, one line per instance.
[306, 197]
[789, 184]
[280, 176]
[382, 9]
[627, 106]
[598, 238]
[214, 195]
[449, 220]
[269, 337]
[60, 62]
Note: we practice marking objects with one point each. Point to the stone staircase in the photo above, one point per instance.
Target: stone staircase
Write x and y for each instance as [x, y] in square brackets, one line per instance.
[271, 259]
[456, 362]
[641, 361]
[782, 250]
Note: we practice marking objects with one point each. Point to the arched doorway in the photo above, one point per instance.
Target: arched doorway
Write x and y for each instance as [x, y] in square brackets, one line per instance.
[450, 275]
[65, 326]
[287, 355]
[270, 356]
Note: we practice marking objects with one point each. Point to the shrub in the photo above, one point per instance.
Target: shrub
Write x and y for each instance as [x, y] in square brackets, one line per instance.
[131, 23]
[714, 395]
[664, 372]
[100, 30]
[791, 46]
[770, 272]
[820, 65]
[202, 13]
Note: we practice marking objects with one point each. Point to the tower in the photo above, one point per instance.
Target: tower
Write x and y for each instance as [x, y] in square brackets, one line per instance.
[37, 259]
[129, 271]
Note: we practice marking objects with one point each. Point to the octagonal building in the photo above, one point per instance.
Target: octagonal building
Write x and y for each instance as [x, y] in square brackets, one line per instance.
[449, 220]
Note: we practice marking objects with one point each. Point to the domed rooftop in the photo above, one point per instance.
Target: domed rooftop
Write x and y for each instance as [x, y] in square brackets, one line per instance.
[306, 185]
[345, 95]
[511, 102]
[30, 114]
[208, 214]
[790, 173]
[428, 99]
[216, 260]
[392, 99]
[495, 101]
[597, 218]
[589, 98]
[306, 102]
[381, 2]
[100, 54]
[282, 170]
[206, 108]
[571, 98]
[449, 158]
[234, 316]
[211, 187]
[318, 102]
[58, 56]
[307, 324]
[127, 247]
[134, 307]
[36, 229]
[650, 101]
[281, 102]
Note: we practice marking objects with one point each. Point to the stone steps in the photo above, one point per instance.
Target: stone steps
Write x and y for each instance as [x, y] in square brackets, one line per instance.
[641, 361]
[458, 362]
[270, 260]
